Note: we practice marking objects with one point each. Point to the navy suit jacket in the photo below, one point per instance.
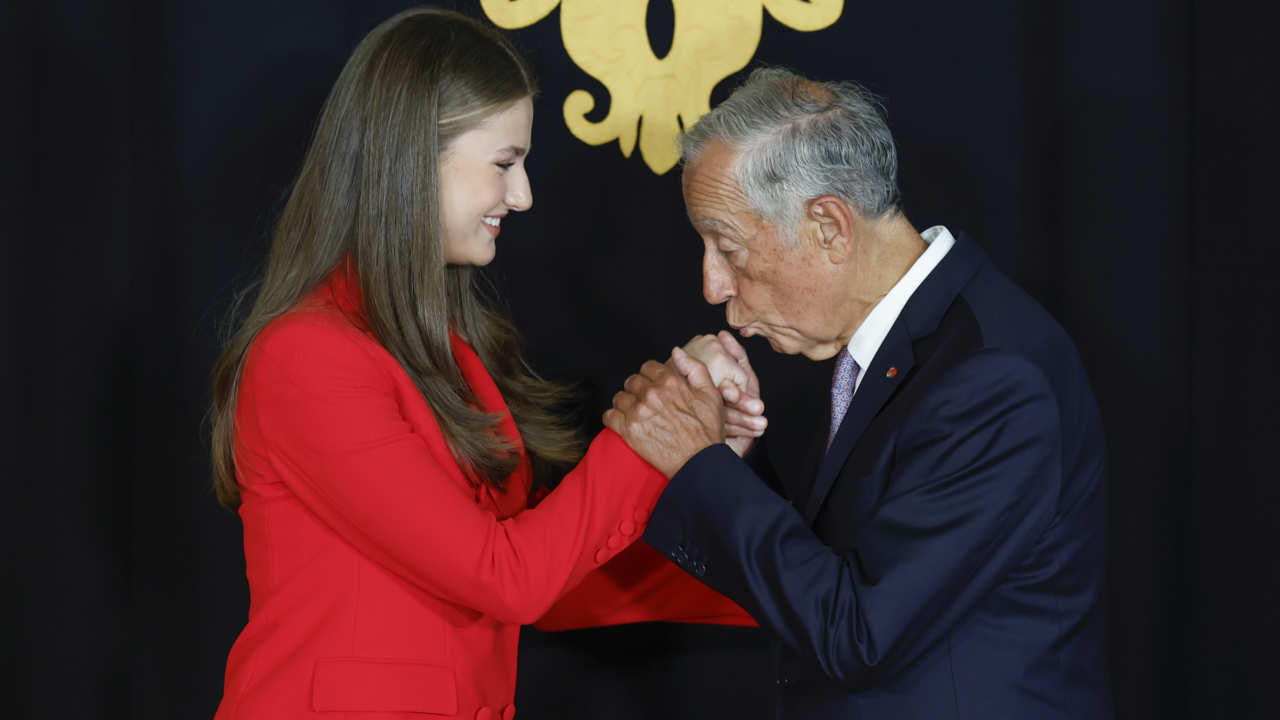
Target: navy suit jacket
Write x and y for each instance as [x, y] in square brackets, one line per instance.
[946, 557]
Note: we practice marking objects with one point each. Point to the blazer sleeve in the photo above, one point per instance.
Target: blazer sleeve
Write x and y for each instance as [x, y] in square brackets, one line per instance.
[324, 409]
[641, 585]
[974, 479]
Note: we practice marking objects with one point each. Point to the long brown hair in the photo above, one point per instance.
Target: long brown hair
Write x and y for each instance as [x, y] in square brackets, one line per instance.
[369, 191]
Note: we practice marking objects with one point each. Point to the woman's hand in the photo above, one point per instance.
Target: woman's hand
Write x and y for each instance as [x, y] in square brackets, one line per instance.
[730, 371]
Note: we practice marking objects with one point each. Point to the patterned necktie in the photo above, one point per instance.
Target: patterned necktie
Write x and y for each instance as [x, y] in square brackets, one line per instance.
[842, 382]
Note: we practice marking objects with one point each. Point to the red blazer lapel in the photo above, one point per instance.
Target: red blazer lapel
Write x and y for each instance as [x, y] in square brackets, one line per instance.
[515, 497]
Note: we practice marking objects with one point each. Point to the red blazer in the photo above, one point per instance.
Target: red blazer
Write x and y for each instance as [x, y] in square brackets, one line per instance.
[381, 580]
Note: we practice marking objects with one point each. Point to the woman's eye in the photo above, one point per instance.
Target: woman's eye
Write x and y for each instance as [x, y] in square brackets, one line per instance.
[505, 165]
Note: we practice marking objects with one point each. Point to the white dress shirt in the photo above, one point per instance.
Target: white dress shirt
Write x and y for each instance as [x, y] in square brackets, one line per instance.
[866, 341]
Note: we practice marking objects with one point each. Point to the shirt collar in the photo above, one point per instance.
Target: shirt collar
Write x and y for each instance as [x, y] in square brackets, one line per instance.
[867, 339]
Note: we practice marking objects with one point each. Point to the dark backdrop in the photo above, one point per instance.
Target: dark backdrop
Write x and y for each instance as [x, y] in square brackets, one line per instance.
[1109, 156]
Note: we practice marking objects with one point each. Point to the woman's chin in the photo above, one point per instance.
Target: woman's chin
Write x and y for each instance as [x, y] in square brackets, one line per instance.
[480, 257]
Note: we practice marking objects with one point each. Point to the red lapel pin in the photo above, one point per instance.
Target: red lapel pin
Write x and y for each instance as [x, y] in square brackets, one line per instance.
[892, 373]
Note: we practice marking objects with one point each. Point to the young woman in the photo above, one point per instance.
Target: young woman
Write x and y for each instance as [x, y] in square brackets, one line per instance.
[377, 430]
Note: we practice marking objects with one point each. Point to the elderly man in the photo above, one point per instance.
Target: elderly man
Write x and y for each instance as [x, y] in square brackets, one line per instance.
[946, 556]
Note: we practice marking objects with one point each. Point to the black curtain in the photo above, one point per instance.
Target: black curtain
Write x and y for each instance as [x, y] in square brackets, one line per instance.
[1113, 158]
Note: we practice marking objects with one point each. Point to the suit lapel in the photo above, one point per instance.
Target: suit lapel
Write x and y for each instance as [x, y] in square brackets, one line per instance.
[878, 384]
[894, 360]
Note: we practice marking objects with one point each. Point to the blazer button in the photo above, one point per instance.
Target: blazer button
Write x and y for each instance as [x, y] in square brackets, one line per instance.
[508, 712]
[615, 542]
[627, 528]
[784, 681]
[601, 555]
[484, 713]
[640, 516]
[699, 568]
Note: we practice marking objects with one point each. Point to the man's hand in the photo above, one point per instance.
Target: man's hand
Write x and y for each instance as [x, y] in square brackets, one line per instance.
[726, 362]
[665, 418]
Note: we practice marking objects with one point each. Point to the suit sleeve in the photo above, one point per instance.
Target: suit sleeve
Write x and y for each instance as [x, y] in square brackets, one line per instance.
[329, 421]
[974, 477]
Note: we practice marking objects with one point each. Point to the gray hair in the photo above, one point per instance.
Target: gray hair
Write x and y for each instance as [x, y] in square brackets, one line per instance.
[799, 139]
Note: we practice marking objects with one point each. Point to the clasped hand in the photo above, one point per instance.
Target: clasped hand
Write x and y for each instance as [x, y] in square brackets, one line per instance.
[706, 393]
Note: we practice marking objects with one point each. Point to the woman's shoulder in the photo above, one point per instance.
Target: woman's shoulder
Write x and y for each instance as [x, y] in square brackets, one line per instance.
[312, 338]
[311, 320]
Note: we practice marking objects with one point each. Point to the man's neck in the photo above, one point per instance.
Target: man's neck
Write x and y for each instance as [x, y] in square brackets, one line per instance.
[890, 246]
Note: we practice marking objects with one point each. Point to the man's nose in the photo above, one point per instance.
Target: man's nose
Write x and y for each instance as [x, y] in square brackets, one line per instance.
[717, 282]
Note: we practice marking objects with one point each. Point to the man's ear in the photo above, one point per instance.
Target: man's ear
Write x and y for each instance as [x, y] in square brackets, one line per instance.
[835, 222]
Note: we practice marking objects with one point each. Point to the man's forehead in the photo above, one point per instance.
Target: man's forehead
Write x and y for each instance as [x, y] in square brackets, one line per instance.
[713, 184]
[715, 209]
[717, 158]
[707, 223]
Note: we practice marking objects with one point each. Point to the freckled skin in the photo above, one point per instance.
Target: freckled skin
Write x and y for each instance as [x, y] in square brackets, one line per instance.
[809, 298]
[806, 299]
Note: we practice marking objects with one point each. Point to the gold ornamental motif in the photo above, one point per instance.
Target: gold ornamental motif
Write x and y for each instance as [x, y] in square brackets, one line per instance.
[651, 99]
